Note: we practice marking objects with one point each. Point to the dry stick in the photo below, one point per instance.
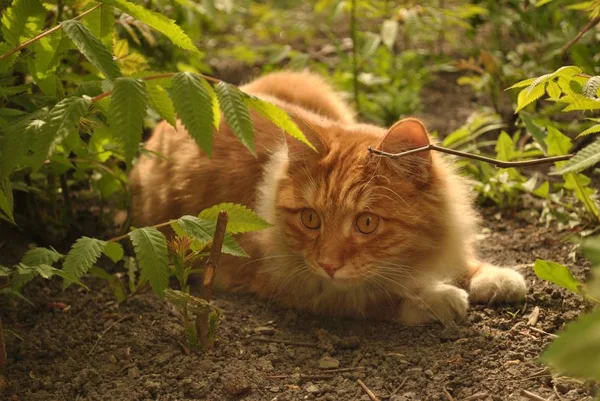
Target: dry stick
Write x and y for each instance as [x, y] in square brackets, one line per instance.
[285, 342]
[43, 34]
[497, 163]
[477, 396]
[532, 396]
[542, 332]
[106, 330]
[592, 23]
[400, 386]
[447, 394]
[202, 323]
[371, 395]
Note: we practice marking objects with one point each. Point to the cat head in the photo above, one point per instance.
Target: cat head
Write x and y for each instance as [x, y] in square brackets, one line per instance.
[354, 216]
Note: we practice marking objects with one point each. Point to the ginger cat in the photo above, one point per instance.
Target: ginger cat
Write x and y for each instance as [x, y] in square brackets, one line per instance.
[353, 234]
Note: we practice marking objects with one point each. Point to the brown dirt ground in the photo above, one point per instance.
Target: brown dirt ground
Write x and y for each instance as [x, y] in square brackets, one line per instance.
[99, 350]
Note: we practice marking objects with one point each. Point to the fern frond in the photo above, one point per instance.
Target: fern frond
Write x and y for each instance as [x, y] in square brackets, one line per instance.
[236, 113]
[82, 256]
[16, 142]
[150, 246]
[160, 101]
[127, 112]
[278, 117]
[164, 25]
[590, 88]
[194, 106]
[585, 158]
[241, 219]
[389, 33]
[22, 20]
[92, 48]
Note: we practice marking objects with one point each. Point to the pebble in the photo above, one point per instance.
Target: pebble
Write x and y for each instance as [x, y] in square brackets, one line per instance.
[133, 372]
[237, 386]
[328, 362]
[311, 388]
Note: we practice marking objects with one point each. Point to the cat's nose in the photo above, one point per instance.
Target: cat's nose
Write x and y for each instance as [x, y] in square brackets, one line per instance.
[330, 268]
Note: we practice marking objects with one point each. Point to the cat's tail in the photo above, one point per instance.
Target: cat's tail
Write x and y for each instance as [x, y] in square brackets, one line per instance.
[305, 89]
[493, 284]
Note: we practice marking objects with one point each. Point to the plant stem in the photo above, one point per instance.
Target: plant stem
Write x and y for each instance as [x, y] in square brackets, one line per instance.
[592, 23]
[497, 163]
[354, 54]
[153, 77]
[202, 323]
[44, 34]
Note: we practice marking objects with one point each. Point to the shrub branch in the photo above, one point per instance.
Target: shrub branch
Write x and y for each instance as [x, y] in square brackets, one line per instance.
[44, 34]
[497, 163]
[592, 23]
[202, 319]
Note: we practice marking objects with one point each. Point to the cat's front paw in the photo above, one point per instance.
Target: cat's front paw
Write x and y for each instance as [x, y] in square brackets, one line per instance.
[493, 284]
[441, 302]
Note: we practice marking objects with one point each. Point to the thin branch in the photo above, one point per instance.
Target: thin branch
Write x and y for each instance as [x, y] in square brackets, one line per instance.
[497, 163]
[202, 323]
[153, 77]
[371, 395]
[124, 236]
[591, 23]
[44, 34]
[281, 341]
[532, 396]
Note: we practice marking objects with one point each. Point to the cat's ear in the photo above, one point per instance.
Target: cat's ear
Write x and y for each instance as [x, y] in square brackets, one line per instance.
[298, 150]
[406, 134]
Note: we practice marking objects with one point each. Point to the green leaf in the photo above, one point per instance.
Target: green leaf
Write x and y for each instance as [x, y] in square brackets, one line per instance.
[530, 95]
[592, 130]
[92, 48]
[521, 84]
[241, 219]
[216, 109]
[203, 231]
[23, 20]
[157, 21]
[557, 274]
[61, 122]
[535, 130]
[278, 117]
[127, 112]
[114, 251]
[40, 256]
[558, 143]
[14, 293]
[193, 105]
[150, 246]
[389, 33]
[160, 101]
[579, 184]
[6, 63]
[23, 275]
[48, 52]
[543, 190]
[101, 22]
[115, 284]
[370, 45]
[236, 113]
[82, 256]
[591, 249]
[585, 158]
[505, 147]
[575, 101]
[576, 351]
[6, 201]
[183, 301]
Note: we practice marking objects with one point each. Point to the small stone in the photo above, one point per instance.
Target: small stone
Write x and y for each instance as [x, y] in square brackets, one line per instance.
[152, 387]
[311, 388]
[328, 362]
[274, 389]
[429, 373]
[112, 359]
[237, 386]
[133, 372]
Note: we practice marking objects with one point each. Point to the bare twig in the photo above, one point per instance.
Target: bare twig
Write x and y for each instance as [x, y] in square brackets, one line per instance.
[447, 394]
[543, 332]
[497, 163]
[279, 341]
[400, 385]
[532, 396]
[106, 330]
[202, 319]
[477, 396]
[43, 34]
[330, 374]
[592, 23]
[371, 395]
[151, 78]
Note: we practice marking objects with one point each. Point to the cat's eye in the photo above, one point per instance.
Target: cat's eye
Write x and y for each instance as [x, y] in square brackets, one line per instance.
[366, 223]
[310, 218]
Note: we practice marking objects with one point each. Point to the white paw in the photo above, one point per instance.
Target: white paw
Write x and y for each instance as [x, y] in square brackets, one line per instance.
[494, 284]
[442, 302]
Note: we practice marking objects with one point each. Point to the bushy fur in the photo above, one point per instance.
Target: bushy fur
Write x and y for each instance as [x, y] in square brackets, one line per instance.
[411, 269]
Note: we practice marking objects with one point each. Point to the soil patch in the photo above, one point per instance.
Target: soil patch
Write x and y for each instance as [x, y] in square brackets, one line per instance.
[98, 350]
